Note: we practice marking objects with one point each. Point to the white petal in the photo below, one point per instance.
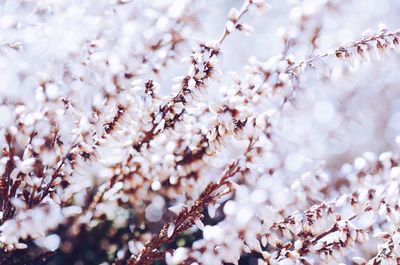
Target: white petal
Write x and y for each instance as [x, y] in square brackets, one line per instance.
[170, 231]
[199, 224]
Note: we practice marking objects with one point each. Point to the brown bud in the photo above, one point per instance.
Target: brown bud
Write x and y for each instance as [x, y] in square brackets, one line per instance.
[340, 54]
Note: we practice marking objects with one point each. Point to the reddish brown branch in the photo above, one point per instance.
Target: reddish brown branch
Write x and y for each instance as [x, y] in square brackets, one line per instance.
[186, 218]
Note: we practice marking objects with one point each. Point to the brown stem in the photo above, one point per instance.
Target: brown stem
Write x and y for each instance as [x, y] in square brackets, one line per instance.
[186, 218]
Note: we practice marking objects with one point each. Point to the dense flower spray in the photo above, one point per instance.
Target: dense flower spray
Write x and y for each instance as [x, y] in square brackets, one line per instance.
[199, 132]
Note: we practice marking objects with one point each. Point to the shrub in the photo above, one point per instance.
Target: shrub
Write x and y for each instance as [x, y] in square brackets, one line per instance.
[267, 149]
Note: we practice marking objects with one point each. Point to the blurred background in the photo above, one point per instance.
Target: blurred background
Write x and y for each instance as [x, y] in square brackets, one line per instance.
[341, 111]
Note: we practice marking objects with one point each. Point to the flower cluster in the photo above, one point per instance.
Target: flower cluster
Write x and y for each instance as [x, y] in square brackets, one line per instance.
[186, 132]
